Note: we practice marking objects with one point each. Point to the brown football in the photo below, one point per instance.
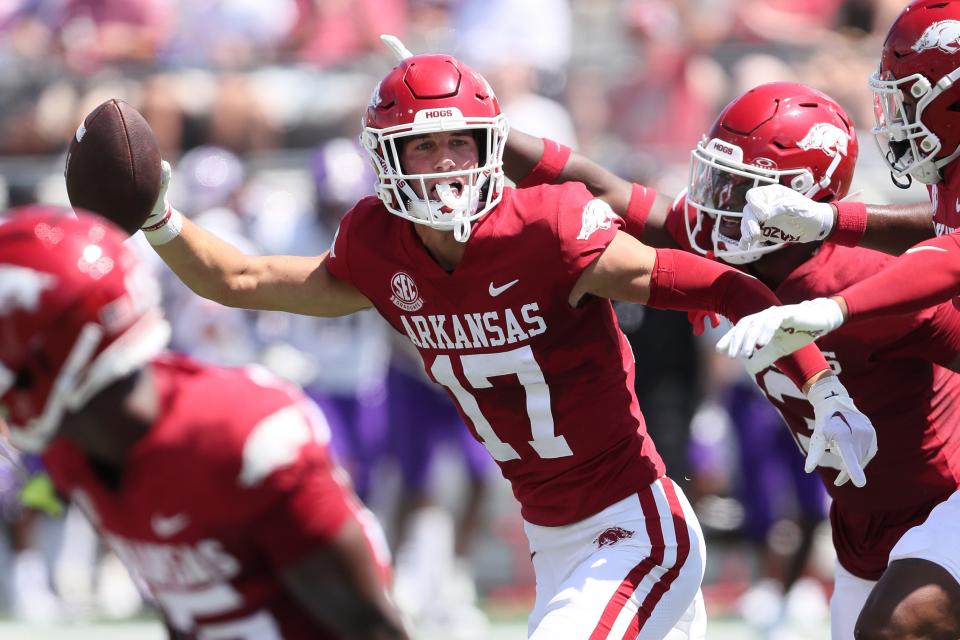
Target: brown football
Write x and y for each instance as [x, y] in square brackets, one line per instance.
[113, 165]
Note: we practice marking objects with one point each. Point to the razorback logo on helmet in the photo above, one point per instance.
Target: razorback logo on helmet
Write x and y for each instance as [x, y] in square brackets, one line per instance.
[612, 536]
[827, 137]
[21, 288]
[943, 35]
[374, 97]
[597, 215]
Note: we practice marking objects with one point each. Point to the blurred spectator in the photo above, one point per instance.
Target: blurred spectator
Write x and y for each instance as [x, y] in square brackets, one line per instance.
[238, 118]
[99, 33]
[666, 102]
[342, 363]
[537, 33]
[434, 567]
[210, 182]
[331, 32]
[783, 506]
[229, 33]
[802, 22]
[29, 586]
[516, 87]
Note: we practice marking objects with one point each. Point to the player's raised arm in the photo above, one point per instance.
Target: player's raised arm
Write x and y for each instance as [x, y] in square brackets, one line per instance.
[531, 161]
[925, 275]
[778, 211]
[219, 271]
[670, 279]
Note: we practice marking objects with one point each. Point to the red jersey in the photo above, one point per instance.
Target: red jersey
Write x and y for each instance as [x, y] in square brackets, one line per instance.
[230, 485]
[890, 367]
[945, 197]
[547, 388]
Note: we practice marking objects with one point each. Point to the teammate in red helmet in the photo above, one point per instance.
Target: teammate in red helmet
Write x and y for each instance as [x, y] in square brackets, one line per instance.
[898, 369]
[506, 295]
[214, 486]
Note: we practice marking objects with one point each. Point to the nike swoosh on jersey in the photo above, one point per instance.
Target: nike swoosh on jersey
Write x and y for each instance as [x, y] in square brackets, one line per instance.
[495, 291]
[165, 527]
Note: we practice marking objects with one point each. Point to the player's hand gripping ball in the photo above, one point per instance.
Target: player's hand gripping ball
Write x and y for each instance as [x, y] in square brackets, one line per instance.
[113, 165]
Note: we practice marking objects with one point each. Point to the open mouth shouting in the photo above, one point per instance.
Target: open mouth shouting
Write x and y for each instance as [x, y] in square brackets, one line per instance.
[453, 187]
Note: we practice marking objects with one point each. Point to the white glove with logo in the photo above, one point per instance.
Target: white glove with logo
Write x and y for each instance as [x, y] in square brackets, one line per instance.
[164, 222]
[780, 214]
[840, 428]
[764, 337]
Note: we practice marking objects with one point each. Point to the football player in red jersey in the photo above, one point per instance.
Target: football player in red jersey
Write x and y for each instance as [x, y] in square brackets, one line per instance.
[918, 131]
[505, 293]
[897, 368]
[213, 486]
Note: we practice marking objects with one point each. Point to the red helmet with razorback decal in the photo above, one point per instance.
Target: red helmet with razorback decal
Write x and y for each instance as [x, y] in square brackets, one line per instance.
[781, 132]
[77, 312]
[426, 94]
[916, 95]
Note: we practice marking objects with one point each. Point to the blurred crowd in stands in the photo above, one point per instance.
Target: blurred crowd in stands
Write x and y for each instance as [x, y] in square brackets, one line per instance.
[257, 105]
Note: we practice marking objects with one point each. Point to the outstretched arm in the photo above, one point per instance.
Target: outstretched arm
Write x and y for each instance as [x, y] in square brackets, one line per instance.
[925, 275]
[671, 279]
[530, 161]
[219, 271]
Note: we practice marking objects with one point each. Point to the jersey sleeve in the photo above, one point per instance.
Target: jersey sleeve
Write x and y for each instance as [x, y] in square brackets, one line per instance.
[337, 261]
[638, 209]
[934, 336]
[676, 224]
[293, 496]
[585, 226]
[309, 508]
[927, 274]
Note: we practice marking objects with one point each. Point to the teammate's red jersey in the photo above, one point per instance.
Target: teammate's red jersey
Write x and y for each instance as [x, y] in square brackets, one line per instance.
[887, 365]
[230, 485]
[547, 388]
[945, 197]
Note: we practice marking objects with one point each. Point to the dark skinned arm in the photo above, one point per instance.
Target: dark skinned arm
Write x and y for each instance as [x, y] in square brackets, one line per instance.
[895, 228]
[523, 151]
[339, 585]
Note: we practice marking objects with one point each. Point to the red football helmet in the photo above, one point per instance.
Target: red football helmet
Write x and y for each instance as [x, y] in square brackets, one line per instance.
[426, 94]
[77, 311]
[916, 100]
[781, 132]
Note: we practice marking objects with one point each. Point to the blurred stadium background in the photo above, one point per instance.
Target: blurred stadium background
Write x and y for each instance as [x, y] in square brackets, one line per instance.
[257, 105]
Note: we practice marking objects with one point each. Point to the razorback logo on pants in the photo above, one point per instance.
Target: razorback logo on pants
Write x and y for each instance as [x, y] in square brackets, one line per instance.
[612, 536]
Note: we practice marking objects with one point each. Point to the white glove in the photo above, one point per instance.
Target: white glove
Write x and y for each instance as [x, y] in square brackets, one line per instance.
[840, 428]
[780, 214]
[764, 337]
[164, 222]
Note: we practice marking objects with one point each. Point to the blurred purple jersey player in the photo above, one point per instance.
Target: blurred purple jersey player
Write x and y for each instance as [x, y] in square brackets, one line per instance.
[341, 362]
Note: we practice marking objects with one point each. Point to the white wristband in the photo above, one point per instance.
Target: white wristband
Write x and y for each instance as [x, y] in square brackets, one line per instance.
[166, 230]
